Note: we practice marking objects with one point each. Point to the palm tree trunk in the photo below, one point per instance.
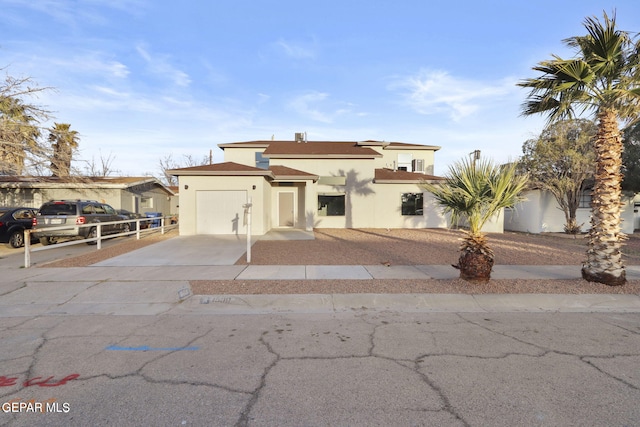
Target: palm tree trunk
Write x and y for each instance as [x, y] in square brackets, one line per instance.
[476, 258]
[604, 257]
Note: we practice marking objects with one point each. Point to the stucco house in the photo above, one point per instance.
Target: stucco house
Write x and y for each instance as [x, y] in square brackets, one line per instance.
[135, 194]
[309, 184]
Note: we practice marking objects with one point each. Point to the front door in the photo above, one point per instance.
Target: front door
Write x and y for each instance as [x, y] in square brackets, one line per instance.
[285, 209]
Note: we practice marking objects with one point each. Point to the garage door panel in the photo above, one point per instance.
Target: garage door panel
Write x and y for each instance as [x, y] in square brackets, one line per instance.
[220, 212]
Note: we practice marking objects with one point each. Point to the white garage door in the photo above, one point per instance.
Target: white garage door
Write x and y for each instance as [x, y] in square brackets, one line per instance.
[220, 212]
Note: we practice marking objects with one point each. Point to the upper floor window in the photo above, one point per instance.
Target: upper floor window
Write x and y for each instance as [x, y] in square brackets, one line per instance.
[261, 162]
[404, 162]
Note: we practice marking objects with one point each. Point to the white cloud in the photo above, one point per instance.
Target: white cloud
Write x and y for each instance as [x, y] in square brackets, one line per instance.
[160, 65]
[73, 13]
[305, 105]
[437, 92]
[295, 50]
[319, 106]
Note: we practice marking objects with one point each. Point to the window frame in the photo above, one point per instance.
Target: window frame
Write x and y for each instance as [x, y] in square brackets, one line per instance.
[404, 206]
[334, 208]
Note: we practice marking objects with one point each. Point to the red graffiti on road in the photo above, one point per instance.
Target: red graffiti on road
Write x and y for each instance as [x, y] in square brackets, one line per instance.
[39, 381]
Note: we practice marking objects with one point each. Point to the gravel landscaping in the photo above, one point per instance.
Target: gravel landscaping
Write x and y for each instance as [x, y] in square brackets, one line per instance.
[397, 247]
[418, 247]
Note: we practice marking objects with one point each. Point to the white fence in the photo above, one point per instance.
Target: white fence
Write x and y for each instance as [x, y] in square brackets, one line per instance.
[161, 227]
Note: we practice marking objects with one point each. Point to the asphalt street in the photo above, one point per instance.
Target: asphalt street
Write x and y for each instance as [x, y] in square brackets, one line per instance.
[356, 369]
[122, 343]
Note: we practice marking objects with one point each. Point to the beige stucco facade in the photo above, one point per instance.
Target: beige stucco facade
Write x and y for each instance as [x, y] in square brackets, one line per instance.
[295, 199]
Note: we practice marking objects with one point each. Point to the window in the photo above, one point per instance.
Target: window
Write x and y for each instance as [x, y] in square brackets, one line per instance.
[585, 199]
[412, 204]
[331, 205]
[146, 202]
[404, 162]
[261, 162]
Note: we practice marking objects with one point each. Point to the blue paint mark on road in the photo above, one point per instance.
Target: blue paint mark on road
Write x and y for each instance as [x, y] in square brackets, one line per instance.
[147, 348]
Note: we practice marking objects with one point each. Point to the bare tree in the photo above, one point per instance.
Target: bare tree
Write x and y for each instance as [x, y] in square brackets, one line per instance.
[103, 167]
[167, 162]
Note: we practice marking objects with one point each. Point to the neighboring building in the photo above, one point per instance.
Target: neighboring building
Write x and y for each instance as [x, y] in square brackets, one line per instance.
[309, 184]
[135, 194]
[174, 201]
[540, 213]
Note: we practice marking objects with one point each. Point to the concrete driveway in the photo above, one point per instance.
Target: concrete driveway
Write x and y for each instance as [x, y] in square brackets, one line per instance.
[199, 250]
[184, 250]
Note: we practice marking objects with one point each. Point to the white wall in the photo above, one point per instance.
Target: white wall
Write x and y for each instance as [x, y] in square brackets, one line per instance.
[540, 213]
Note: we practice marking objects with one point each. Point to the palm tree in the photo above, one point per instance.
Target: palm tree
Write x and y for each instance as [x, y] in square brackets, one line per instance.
[476, 190]
[603, 78]
[64, 141]
[18, 135]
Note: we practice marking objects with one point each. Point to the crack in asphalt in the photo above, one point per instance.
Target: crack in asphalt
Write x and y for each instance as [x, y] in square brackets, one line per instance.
[244, 419]
[582, 357]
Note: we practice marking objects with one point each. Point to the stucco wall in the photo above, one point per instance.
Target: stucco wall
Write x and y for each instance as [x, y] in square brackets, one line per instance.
[540, 213]
[244, 156]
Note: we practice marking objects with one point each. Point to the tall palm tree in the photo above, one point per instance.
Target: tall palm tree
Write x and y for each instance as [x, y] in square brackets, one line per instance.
[19, 135]
[64, 141]
[603, 79]
[476, 191]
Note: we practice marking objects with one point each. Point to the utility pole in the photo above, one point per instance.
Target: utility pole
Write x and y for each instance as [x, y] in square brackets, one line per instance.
[475, 156]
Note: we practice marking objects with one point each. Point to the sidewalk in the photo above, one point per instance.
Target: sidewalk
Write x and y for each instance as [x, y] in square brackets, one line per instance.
[153, 290]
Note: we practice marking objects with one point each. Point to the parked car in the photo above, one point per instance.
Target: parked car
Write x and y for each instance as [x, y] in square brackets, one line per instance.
[13, 222]
[134, 216]
[59, 213]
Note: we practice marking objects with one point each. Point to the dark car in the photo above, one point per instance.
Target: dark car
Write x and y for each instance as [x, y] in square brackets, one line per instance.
[133, 216]
[73, 214]
[13, 222]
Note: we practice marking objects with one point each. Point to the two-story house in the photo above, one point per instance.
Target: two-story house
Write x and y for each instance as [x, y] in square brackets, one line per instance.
[309, 184]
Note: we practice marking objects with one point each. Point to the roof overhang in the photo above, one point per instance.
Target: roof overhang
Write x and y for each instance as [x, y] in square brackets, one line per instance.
[121, 183]
[412, 147]
[183, 172]
[321, 156]
[390, 176]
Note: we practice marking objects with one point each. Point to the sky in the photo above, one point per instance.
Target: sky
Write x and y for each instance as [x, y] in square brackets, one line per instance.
[142, 80]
